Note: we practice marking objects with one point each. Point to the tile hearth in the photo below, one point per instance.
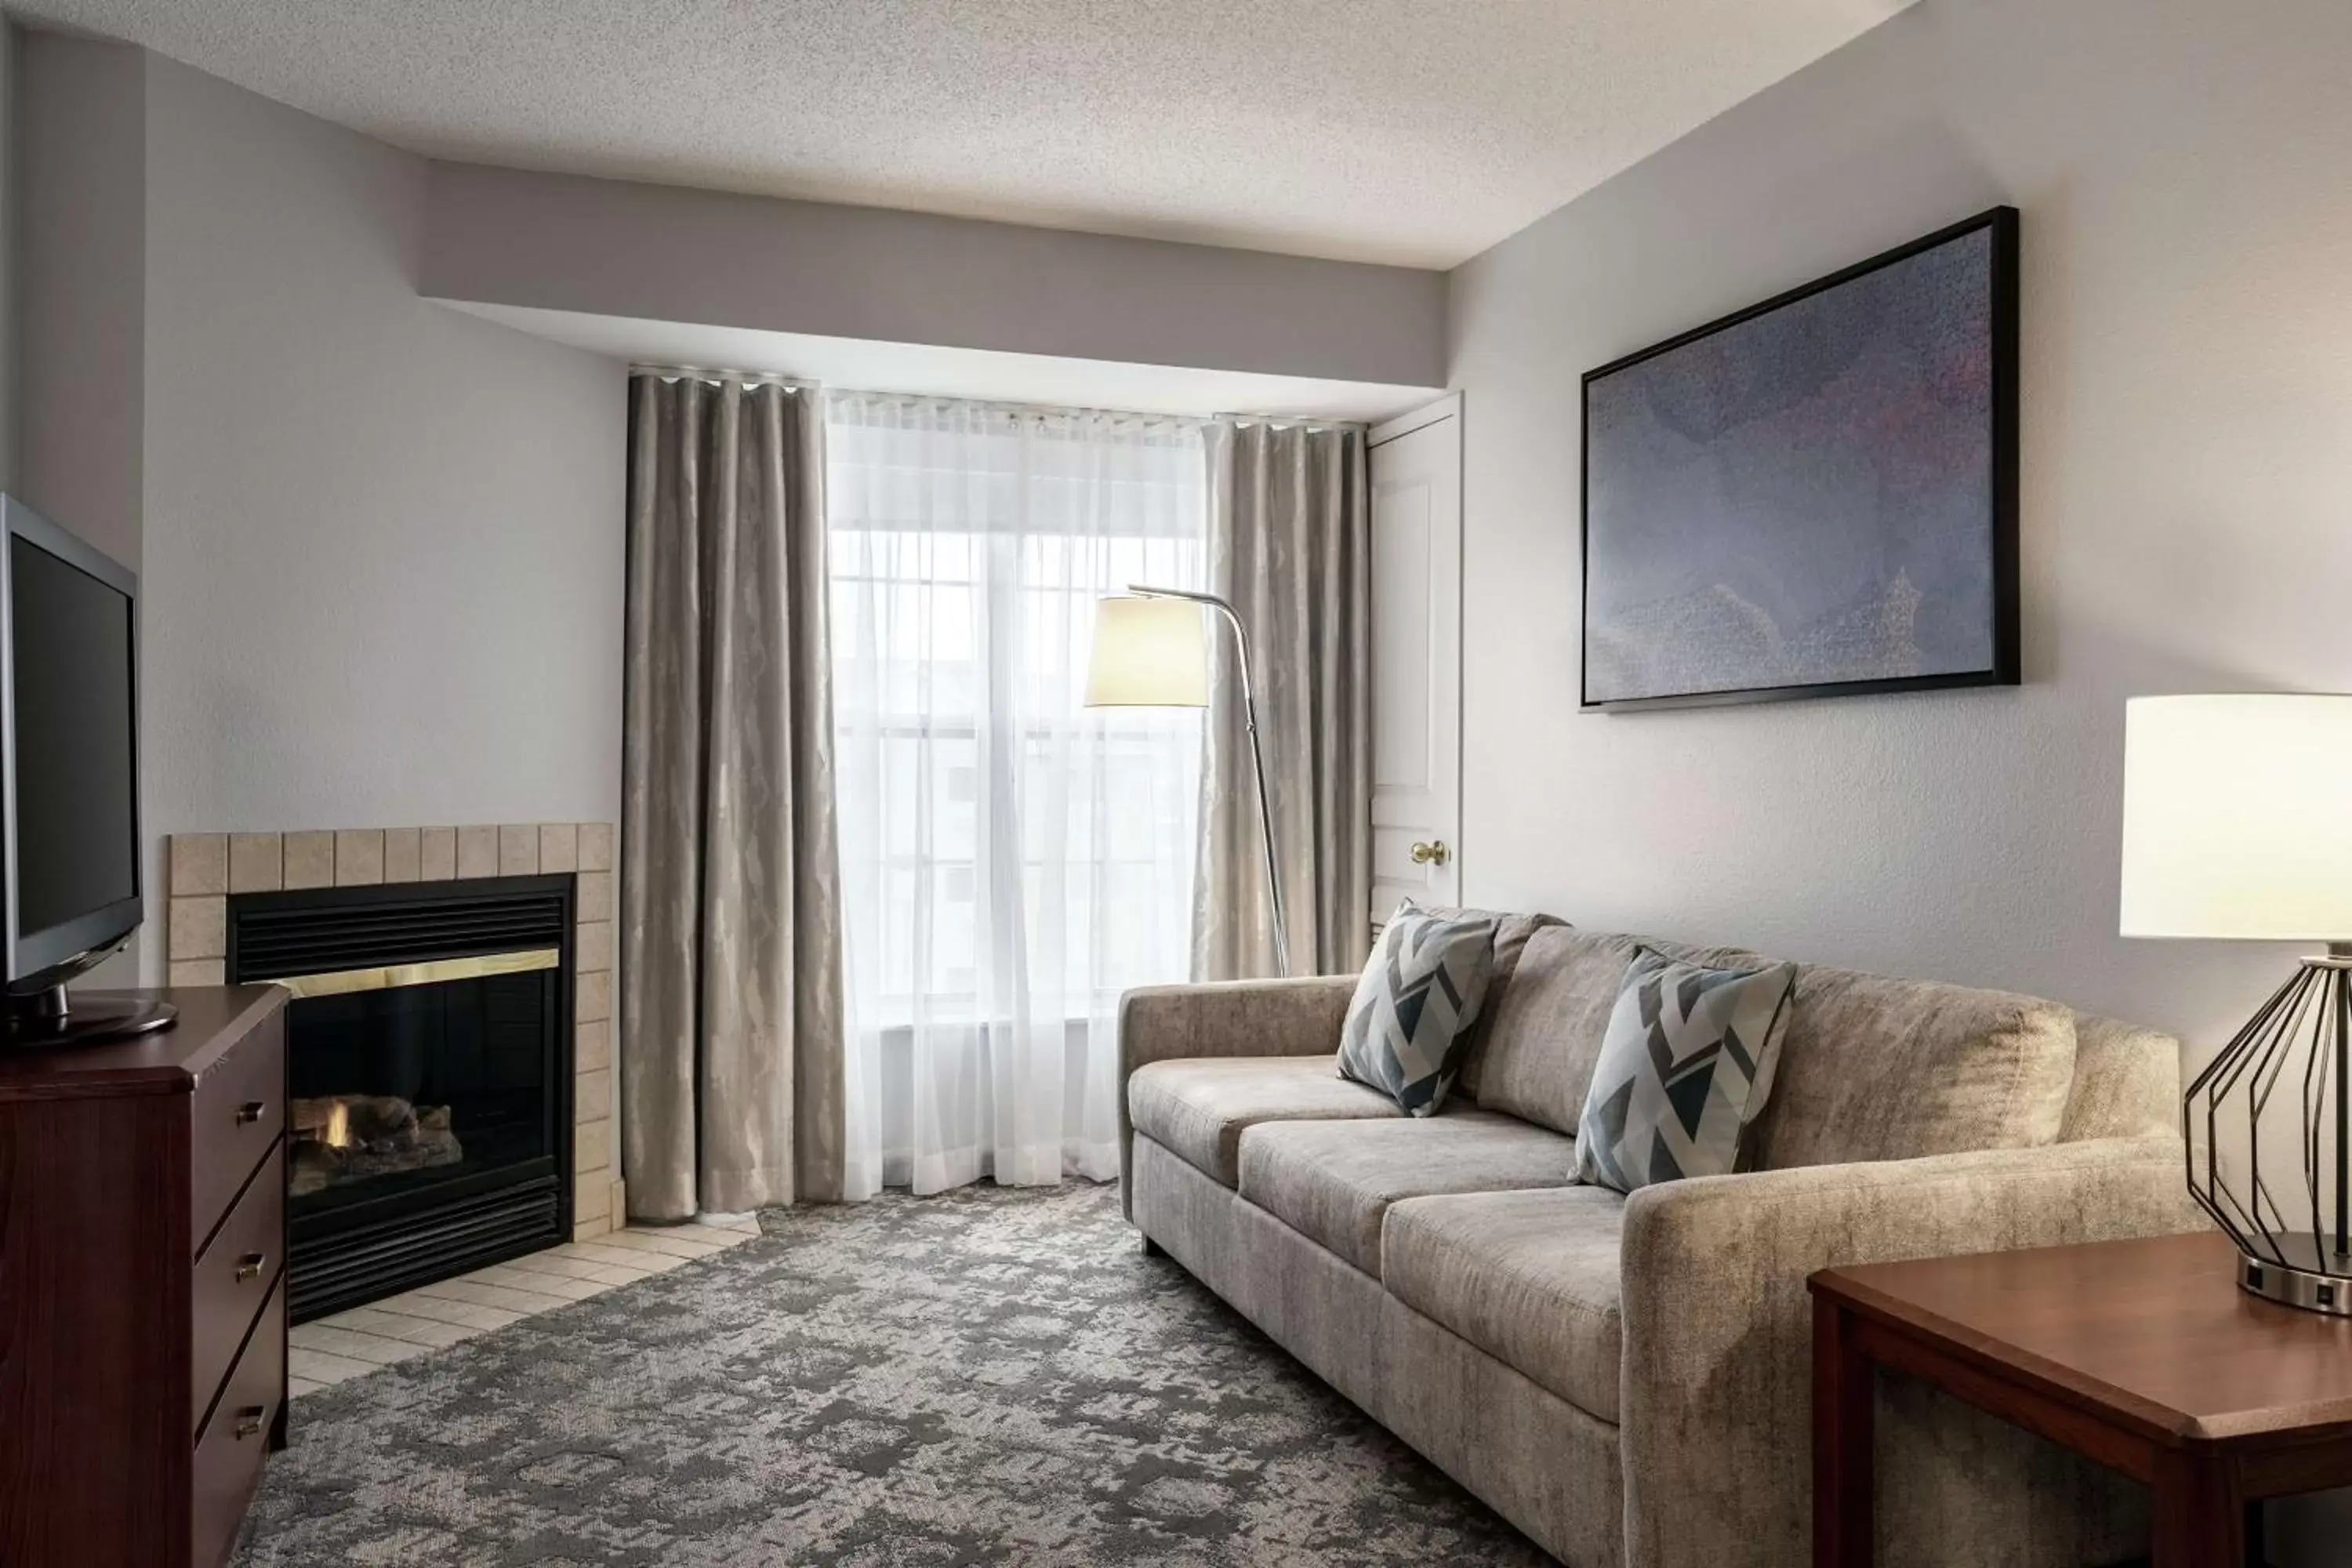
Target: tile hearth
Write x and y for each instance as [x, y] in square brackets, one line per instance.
[366, 1339]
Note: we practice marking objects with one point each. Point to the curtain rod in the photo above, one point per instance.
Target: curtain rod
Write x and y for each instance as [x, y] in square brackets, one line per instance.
[777, 378]
[701, 373]
[1297, 421]
[1017, 409]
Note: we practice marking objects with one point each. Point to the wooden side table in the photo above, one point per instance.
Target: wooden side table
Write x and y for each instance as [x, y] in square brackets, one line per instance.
[2141, 1355]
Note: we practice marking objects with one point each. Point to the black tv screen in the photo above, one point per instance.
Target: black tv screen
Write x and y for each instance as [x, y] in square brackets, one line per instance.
[76, 780]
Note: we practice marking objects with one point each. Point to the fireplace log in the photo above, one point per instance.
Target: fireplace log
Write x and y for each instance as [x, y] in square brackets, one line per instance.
[374, 1135]
[367, 1116]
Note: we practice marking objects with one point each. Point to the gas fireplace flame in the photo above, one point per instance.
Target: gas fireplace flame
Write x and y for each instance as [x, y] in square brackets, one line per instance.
[338, 1134]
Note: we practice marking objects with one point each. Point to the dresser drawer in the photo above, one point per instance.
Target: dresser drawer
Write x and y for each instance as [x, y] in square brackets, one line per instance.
[234, 1275]
[238, 1111]
[231, 1446]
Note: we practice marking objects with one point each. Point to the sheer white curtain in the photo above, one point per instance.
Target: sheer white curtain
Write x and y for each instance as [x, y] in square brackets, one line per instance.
[1011, 860]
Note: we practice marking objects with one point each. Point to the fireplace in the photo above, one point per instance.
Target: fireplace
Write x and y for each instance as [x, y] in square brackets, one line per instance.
[429, 1060]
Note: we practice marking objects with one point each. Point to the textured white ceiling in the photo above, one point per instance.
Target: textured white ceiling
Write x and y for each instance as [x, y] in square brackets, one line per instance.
[1417, 131]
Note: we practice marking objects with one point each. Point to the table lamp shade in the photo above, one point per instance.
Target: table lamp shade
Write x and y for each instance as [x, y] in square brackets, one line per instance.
[2238, 817]
[1148, 653]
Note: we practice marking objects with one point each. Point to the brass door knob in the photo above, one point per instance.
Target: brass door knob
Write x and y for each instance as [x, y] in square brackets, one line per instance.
[1431, 854]
[250, 1421]
[249, 1266]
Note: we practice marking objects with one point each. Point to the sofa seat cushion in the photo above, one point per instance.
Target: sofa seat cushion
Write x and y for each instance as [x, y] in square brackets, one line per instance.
[1530, 1278]
[1333, 1181]
[1197, 1107]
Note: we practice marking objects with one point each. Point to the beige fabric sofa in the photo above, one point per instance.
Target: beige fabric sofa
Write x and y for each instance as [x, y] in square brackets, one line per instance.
[1627, 1380]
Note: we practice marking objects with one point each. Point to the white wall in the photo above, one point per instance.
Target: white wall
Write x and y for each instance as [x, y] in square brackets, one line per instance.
[2187, 498]
[662, 253]
[383, 545]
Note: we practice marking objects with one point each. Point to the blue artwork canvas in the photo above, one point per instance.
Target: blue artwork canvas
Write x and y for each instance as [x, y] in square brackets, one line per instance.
[1815, 497]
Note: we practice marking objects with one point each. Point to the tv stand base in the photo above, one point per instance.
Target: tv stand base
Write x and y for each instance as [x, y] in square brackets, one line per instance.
[56, 1018]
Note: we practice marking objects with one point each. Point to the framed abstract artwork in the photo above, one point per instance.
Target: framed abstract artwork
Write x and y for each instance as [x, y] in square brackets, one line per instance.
[1816, 497]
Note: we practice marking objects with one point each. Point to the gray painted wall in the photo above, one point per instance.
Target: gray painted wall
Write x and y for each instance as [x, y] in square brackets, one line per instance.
[80, 302]
[2186, 499]
[610, 248]
[9, 44]
[384, 551]
[379, 540]
[2187, 510]
[77, 312]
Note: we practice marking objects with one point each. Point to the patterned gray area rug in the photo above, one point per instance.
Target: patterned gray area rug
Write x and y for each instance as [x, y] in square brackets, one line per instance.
[993, 1376]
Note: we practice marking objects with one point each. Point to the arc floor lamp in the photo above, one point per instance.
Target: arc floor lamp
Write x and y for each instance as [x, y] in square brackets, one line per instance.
[1152, 651]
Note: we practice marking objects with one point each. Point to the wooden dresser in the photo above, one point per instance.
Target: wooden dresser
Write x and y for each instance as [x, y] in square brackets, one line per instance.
[142, 1301]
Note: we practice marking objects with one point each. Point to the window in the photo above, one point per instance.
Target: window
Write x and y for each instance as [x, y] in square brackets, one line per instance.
[1012, 861]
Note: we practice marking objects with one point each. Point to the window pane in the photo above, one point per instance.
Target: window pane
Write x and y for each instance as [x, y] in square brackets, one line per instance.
[1003, 845]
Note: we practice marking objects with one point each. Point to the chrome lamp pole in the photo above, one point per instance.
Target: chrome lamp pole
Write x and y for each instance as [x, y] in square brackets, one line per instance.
[1257, 753]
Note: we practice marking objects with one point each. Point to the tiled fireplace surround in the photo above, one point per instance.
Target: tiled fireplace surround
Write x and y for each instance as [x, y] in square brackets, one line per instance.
[205, 867]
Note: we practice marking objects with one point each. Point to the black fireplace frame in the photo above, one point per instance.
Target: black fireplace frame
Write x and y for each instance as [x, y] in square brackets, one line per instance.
[372, 1249]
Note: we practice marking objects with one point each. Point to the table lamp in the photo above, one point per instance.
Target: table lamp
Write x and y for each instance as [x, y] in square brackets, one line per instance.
[1151, 650]
[2238, 824]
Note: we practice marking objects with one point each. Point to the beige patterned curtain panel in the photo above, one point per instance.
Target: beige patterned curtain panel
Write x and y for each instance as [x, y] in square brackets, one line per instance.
[732, 1091]
[1290, 546]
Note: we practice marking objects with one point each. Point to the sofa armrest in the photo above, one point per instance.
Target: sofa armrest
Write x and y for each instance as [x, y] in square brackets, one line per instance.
[1716, 1390]
[1223, 1018]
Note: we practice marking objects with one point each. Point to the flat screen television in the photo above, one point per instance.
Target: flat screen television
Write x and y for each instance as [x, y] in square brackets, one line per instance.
[69, 779]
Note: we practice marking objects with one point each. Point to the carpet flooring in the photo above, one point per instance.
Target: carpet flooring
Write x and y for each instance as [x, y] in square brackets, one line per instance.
[991, 1376]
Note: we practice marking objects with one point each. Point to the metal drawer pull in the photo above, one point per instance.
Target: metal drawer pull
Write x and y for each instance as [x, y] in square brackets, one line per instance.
[248, 1421]
[250, 1112]
[249, 1266]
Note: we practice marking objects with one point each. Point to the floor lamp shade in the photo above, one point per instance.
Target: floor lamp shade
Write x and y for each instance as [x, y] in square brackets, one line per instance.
[2235, 826]
[1151, 650]
[1148, 653]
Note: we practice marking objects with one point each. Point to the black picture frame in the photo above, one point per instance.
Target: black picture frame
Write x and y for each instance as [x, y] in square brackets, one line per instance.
[2006, 668]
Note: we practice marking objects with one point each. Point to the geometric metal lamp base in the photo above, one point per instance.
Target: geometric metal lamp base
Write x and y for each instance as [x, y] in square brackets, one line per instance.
[2294, 1288]
[2268, 1123]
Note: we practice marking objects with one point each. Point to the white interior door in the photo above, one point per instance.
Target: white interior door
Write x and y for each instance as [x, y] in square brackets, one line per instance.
[1416, 471]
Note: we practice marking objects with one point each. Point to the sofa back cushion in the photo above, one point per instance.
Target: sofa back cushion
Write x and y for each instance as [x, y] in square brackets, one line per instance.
[1876, 1068]
[1542, 1035]
[1511, 933]
[1537, 1060]
[2127, 1081]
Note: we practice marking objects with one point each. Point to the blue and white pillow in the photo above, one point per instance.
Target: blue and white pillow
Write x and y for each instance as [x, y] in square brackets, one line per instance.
[1685, 1068]
[1408, 1029]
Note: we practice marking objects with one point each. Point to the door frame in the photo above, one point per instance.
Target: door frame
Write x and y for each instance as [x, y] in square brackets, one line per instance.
[1380, 435]
[1387, 430]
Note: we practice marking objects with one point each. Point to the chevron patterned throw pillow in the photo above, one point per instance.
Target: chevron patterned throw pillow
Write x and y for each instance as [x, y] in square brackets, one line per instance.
[1409, 1026]
[1685, 1068]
